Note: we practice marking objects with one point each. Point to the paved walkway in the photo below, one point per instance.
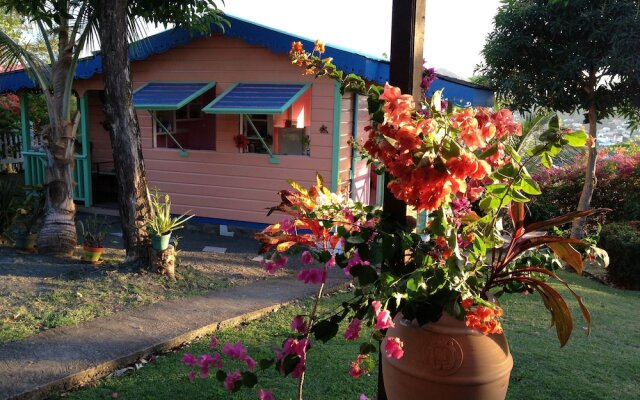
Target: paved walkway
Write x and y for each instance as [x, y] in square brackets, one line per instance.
[62, 358]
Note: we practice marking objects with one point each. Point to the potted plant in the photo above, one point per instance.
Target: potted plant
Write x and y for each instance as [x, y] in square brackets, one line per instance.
[432, 297]
[29, 213]
[93, 231]
[160, 224]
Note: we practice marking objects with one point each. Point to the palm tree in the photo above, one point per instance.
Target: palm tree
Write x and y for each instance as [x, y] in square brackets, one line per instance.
[70, 22]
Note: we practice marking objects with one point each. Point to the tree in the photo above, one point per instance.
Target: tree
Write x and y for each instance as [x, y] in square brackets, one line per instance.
[69, 21]
[116, 23]
[578, 55]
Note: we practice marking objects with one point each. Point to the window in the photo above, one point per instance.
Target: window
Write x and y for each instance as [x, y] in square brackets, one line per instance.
[264, 125]
[285, 140]
[186, 128]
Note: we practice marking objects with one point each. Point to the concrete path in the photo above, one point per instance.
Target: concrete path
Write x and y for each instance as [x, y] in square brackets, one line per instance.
[66, 357]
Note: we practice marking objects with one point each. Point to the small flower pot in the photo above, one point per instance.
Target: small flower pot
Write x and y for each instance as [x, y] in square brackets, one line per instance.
[26, 241]
[160, 243]
[92, 254]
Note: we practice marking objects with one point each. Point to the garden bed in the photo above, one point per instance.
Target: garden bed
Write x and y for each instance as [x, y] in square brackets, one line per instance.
[39, 293]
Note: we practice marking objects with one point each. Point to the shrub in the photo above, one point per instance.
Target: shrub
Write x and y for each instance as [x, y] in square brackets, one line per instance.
[618, 174]
[622, 242]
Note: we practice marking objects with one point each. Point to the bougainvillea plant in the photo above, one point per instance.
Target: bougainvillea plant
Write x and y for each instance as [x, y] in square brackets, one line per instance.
[457, 165]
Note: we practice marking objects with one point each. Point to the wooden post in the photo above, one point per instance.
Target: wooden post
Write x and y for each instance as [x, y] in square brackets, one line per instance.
[407, 42]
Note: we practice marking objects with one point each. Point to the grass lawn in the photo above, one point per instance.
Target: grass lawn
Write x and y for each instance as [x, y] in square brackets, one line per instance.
[605, 365]
[39, 293]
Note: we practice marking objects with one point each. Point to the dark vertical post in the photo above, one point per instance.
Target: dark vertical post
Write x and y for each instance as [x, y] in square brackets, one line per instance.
[407, 42]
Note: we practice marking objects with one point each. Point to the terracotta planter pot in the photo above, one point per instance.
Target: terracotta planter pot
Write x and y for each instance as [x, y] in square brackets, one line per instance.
[447, 360]
[92, 254]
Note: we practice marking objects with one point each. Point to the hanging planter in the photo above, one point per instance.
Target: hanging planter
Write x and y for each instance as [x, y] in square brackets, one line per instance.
[447, 360]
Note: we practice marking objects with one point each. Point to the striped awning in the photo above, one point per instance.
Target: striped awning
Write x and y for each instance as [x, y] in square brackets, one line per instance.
[168, 95]
[257, 98]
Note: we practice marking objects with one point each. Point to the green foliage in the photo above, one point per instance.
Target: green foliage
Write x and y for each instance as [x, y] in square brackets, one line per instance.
[93, 230]
[161, 222]
[622, 241]
[31, 208]
[9, 203]
[543, 52]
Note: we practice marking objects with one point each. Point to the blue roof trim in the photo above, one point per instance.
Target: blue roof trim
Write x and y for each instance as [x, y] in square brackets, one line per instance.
[370, 68]
[461, 94]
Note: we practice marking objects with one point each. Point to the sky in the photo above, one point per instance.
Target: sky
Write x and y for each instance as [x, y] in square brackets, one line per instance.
[455, 30]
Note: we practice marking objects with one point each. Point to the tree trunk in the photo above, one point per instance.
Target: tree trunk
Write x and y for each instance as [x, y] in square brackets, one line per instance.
[58, 234]
[124, 131]
[163, 262]
[577, 228]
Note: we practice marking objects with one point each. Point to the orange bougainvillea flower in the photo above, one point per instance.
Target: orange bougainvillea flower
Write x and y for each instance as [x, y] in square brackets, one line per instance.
[319, 46]
[296, 47]
[485, 319]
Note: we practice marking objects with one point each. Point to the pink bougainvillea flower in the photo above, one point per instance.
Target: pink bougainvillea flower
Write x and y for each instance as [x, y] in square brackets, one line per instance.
[394, 347]
[213, 343]
[231, 380]
[298, 324]
[236, 351]
[205, 361]
[307, 257]
[312, 275]
[331, 263]
[358, 368]
[287, 226]
[353, 330]
[251, 363]
[272, 266]
[265, 395]
[377, 306]
[353, 261]
[189, 359]
[383, 320]
[363, 397]
[191, 376]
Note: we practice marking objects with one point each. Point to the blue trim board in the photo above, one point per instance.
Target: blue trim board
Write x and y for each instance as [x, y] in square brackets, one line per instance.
[257, 98]
[168, 95]
[371, 68]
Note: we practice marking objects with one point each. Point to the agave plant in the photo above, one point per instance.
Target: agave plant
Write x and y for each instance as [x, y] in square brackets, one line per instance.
[162, 223]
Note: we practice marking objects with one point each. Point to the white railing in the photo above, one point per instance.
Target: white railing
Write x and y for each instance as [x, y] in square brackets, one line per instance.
[10, 150]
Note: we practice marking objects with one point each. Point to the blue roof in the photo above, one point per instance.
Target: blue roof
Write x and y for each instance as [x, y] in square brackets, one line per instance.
[168, 95]
[257, 98]
[370, 68]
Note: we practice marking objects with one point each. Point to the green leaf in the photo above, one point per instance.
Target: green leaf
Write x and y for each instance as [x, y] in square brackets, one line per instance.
[325, 330]
[249, 379]
[365, 273]
[508, 171]
[529, 186]
[489, 203]
[265, 363]
[367, 348]
[221, 375]
[576, 139]
[546, 160]
[517, 196]
[497, 189]
[489, 152]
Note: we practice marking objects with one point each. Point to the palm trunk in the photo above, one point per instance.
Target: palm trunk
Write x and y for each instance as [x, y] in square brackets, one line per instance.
[577, 229]
[124, 131]
[58, 234]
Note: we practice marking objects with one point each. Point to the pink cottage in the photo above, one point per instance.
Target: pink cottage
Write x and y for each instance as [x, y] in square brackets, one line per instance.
[225, 121]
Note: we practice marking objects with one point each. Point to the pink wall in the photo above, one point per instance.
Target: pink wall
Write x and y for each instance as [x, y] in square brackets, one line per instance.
[225, 183]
